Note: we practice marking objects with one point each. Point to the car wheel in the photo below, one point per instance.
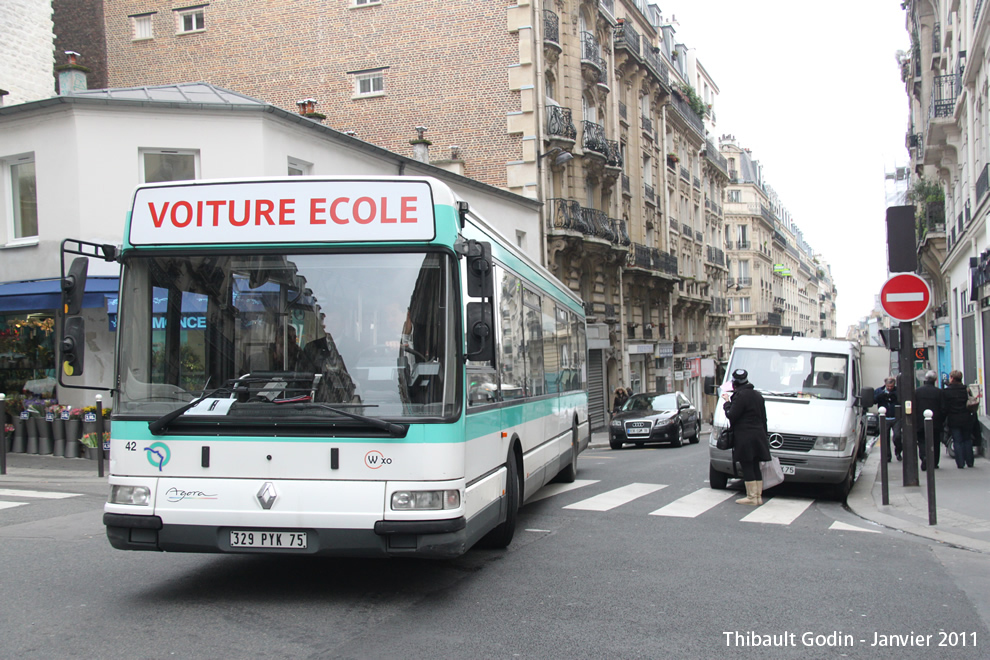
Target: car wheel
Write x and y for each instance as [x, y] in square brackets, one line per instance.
[614, 444]
[717, 480]
[679, 436]
[501, 535]
[696, 438]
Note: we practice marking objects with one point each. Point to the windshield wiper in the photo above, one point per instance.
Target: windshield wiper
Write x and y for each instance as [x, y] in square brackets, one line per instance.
[395, 430]
[156, 427]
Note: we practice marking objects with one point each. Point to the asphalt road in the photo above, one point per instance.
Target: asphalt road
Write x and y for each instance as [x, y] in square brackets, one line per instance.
[598, 570]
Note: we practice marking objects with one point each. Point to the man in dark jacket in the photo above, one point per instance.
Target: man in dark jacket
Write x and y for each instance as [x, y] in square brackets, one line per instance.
[959, 419]
[747, 415]
[886, 397]
[928, 397]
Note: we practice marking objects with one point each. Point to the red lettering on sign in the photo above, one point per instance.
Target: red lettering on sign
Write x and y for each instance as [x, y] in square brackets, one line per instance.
[408, 206]
[385, 218]
[263, 209]
[372, 209]
[247, 214]
[333, 210]
[175, 217]
[314, 209]
[156, 218]
[285, 209]
[215, 205]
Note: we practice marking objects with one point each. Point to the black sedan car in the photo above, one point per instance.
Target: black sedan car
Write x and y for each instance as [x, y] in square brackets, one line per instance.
[655, 417]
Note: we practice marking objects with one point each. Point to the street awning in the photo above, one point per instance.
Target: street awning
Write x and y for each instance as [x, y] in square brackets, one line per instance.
[40, 295]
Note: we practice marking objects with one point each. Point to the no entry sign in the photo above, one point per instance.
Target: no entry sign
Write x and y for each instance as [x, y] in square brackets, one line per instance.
[905, 297]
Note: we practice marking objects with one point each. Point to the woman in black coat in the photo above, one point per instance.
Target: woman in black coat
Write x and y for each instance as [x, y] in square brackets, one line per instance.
[747, 415]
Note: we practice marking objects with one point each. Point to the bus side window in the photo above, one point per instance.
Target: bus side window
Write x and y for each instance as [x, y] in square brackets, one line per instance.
[482, 386]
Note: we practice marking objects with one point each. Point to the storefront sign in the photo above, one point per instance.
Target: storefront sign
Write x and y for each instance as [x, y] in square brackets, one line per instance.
[665, 349]
[640, 349]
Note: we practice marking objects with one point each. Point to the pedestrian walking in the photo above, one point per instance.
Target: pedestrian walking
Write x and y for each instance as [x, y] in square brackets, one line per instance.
[959, 419]
[887, 397]
[747, 415]
[619, 400]
[928, 397]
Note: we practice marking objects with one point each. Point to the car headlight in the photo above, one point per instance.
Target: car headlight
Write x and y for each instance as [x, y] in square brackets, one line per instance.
[134, 495]
[617, 423]
[713, 436]
[663, 422]
[830, 444]
[428, 500]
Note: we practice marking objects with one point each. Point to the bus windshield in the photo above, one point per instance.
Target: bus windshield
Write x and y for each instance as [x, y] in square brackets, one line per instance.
[802, 374]
[294, 337]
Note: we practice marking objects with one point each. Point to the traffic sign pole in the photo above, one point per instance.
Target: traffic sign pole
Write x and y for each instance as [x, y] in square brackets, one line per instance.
[909, 442]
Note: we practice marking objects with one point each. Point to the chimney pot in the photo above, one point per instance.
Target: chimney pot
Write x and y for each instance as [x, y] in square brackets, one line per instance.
[72, 55]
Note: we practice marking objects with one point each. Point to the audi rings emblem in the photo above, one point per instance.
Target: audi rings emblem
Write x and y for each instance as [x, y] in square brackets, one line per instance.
[776, 440]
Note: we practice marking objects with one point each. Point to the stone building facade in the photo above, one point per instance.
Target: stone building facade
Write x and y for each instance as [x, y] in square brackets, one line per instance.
[27, 51]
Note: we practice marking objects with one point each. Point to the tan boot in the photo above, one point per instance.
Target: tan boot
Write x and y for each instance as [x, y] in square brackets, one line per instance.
[750, 498]
[759, 492]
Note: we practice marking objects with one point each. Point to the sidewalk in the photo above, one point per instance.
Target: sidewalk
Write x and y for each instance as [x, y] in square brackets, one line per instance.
[961, 501]
[52, 470]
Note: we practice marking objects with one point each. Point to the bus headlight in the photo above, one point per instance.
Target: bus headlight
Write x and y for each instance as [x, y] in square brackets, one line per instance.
[134, 495]
[428, 500]
[830, 444]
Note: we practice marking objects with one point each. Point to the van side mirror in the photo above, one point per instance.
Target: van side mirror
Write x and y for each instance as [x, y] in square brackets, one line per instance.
[73, 345]
[74, 286]
[709, 384]
[480, 278]
[866, 400]
[480, 332]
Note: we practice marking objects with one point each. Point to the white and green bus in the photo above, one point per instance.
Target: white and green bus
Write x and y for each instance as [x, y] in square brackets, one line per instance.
[337, 366]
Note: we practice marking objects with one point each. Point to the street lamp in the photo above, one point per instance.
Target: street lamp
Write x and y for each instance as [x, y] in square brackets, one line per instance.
[560, 156]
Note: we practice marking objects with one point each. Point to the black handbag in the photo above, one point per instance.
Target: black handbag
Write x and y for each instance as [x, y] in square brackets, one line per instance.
[725, 439]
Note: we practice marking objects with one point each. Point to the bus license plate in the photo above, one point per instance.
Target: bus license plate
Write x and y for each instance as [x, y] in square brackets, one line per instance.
[787, 469]
[256, 539]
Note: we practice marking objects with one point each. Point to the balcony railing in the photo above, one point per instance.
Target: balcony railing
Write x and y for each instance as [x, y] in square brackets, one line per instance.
[601, 224]
[713, 155]
[692, 346]
[559, 122]
[944, 92]
[566, 214]
[610, 311]
[591, 51]
[621, 230]
[674, 226]
[623, 111]
[613, 155]
[698, 236]
[689, 115]
[627, 37]
[625, 183]
[743, 245]
[685, 174]
[594, 137]
[678, 348]
[768, 318]
[647, 124]
[649, 193]
[687, 230]
[715, 255]
[981, 184]
[744, 281]
[551, 27]
[696, 182]
[656, 63]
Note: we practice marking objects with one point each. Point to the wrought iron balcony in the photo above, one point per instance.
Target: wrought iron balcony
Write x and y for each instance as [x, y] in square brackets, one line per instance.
[674, 226]
[566, 214]
[698, 236]
[649, 193]
[656, 63]
[625, 183]
[594, 137]
[623, 111]
[768, 318]
[696, 182]
[678, 348]
[687, 230]
[641, 256]
[591, 51]
[743, 245]
[715, 255]
[685, 174]
[559, 122]
[692, 346]
[744, 281]
[981, 184]
[627, 37]
[665, 262]
[610, 311]
[716, 158]
[551, 27]
[690, 116]
[703, 346]
[613, 154]
[622, 233]
[600, 224]
[647, 124]
[945, 89]
[767, 215]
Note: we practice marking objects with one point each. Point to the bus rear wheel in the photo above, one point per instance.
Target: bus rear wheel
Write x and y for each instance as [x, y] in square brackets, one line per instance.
[569, 474]
[501, 535]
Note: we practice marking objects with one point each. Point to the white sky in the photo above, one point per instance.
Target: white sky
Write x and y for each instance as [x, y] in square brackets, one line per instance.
[814, 90]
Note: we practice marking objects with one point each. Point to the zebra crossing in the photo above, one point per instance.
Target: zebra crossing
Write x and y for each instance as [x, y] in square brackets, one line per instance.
[24, 497]
[778, 510]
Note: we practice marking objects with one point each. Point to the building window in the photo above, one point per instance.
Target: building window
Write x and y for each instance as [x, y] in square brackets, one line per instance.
[298, 167]
[23, 196]
[368, 83]
[191, 19]
[362, 3]
[168, 165]
[743, 306]
[735, 195]
[142, 27]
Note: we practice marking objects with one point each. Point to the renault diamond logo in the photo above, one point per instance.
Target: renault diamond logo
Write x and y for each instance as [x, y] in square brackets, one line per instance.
[267, 495]
[776, 442]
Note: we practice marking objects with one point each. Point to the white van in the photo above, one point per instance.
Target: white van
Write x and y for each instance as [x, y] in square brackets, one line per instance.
[816, 407]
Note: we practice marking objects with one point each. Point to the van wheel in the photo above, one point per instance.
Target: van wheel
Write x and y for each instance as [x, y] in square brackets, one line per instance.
[841, 489]
[501, 535]
[717, 480]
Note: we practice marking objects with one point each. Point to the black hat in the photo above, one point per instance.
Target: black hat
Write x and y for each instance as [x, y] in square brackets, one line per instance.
[740, 377]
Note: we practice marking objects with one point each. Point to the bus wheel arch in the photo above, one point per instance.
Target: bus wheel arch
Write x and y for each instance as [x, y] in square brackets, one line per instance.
[569, 473]
[501, 534]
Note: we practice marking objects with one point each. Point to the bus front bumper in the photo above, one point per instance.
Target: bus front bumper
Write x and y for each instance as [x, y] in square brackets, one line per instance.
[421, 538]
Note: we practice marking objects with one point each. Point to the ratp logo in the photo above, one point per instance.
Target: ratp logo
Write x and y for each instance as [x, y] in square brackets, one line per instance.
[158, 454]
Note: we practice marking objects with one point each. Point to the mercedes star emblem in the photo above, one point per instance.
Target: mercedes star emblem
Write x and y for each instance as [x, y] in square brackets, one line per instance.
[776, 440]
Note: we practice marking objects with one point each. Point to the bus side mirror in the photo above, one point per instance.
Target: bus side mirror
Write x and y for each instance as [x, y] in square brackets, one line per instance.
[74, 286]
[480, 332]
[866, 399]
[709, 385]
[73, 345]
[480, 279]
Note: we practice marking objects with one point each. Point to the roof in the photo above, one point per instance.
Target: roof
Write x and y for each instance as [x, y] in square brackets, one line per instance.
[197, 92]
[796, 343]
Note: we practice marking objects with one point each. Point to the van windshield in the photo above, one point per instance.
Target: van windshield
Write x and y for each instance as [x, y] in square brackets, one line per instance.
[794, 373]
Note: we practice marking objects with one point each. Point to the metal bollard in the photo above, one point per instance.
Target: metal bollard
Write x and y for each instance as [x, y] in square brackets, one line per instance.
[930, 463]
[99, 434]
[3, 435]
[884, 454]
